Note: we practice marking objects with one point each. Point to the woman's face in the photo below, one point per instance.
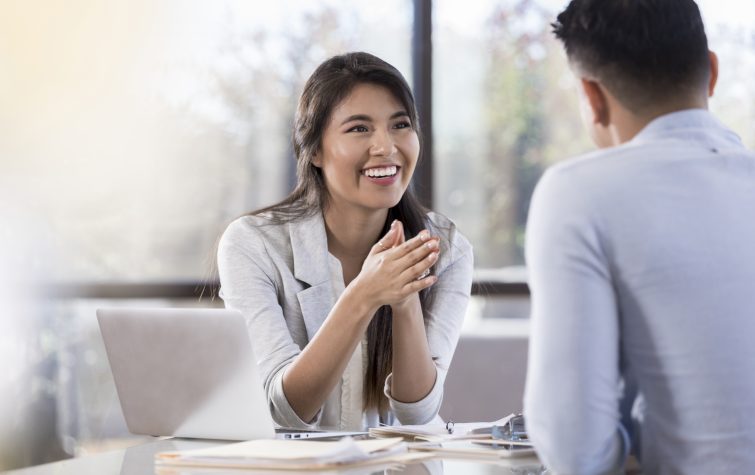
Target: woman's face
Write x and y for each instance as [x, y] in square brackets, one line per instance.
[369, 150]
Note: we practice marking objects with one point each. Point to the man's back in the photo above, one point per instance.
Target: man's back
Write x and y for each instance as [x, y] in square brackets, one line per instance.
[659, 269]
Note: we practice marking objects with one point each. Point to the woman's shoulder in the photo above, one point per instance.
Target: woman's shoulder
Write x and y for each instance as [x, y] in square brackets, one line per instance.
[256, 230]
[451, 237]
[445, 227]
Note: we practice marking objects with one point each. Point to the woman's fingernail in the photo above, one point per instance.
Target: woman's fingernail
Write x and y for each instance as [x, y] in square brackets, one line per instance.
[424, 235]
[432, 244]
[393, 224]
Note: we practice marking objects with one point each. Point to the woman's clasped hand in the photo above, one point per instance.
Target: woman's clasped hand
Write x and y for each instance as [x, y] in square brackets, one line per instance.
[393, 271]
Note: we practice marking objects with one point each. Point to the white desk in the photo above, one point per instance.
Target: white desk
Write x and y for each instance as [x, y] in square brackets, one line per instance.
[139, 460]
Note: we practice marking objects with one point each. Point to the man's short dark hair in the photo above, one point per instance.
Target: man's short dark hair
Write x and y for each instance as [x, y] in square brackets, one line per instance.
[645, 52]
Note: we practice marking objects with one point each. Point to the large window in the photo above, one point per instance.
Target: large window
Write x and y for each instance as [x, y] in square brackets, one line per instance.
[132, 134]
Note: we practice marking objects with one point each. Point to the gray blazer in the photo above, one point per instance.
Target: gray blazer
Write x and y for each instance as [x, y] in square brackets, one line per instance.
[281, 277]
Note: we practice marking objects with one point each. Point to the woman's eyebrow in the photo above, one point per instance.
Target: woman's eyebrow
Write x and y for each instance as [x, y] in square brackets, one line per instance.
[354, 117]
[366, 118]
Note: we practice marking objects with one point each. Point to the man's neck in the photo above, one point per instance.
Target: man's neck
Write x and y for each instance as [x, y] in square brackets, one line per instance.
[625, 125]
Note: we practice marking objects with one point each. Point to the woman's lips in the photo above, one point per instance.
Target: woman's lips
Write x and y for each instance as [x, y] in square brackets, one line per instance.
[385, 176]
[383, 180]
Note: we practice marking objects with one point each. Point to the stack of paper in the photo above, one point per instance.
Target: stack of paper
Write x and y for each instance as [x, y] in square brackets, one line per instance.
[478, 449]
[293, 454]
[438, 432]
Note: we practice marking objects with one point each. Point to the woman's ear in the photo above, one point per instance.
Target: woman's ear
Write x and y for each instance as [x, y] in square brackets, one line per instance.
[317, 159]
[597, 102]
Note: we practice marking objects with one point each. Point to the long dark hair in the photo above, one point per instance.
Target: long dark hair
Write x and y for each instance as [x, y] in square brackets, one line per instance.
[330, 84]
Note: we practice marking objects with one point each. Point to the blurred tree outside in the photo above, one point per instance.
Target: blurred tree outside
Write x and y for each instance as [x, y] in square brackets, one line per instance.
[530, 120]
[260, 90]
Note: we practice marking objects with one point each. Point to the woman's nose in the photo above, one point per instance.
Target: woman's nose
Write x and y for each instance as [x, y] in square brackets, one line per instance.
[382, 143]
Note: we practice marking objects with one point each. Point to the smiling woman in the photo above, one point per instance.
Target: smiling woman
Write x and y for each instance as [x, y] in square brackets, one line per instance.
[350, 327]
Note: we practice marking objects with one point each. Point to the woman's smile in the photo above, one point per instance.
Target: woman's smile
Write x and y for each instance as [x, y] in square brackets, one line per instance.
[382, 175]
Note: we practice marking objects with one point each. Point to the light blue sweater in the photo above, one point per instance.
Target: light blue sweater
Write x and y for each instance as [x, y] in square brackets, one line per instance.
[642, 267]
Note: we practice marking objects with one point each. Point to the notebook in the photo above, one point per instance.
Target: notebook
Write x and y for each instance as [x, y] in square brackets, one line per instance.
[188, 372]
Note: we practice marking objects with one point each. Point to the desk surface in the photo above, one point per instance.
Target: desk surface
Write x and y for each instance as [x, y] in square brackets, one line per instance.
[139, 460]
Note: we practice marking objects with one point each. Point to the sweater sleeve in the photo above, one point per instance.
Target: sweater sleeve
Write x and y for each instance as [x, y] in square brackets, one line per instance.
[248, 284]
[573, 384]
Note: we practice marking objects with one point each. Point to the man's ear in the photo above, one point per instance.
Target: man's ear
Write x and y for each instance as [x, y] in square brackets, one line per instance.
[713, 73]
[596, 98]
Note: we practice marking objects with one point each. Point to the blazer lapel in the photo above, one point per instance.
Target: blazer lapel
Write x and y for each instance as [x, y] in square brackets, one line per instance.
[311, 266]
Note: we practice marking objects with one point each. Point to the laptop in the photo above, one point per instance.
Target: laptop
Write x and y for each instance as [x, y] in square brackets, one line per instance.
[189, 372]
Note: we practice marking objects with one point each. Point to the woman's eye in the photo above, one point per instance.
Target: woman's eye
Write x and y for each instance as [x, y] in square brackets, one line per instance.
[402, 125]
[358, 128]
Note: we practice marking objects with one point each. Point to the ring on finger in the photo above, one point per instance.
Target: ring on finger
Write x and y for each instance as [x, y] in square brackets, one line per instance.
[424, 274]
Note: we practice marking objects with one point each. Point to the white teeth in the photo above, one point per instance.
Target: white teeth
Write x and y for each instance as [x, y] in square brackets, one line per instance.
[381, 172]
